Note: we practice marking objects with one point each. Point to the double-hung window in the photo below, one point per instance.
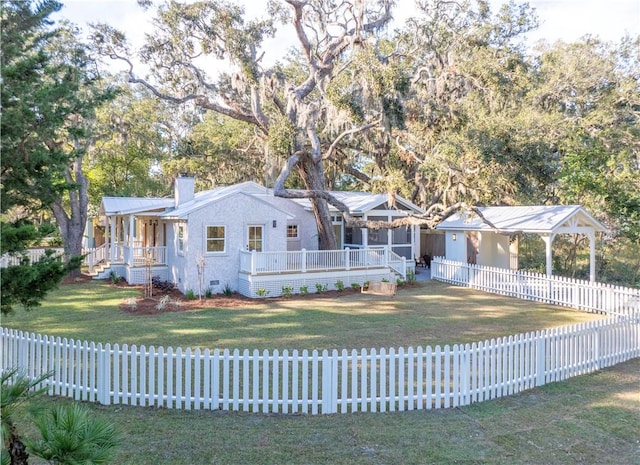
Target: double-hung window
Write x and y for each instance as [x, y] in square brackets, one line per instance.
[216, 240]
[181, 238]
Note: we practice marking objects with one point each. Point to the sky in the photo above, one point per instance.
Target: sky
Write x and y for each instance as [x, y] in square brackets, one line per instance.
[566, 20]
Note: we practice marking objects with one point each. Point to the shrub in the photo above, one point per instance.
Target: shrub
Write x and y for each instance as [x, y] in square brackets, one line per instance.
[114, 277]
[287, 291]
[164, 301]
[355, 286]
[227, 291]
[339, 286]
[262, 292]
[400, 282]
[319, 288]
[411, 277]
[190, 294]
[162, 285]
[304, 290]
[208, 293]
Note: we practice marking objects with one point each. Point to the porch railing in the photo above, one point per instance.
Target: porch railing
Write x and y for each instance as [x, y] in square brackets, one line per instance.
[141, 256]
[303, 261]
[135, 256]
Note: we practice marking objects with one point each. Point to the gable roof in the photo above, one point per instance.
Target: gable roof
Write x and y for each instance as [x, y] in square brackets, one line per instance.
[204, 198]
[538, 219]
[357, 202]
[360, 203]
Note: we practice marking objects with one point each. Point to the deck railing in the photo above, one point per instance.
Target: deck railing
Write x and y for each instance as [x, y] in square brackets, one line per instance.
[302, 261]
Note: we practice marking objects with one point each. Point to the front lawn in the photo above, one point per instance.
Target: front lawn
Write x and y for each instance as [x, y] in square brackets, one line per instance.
[429, 313]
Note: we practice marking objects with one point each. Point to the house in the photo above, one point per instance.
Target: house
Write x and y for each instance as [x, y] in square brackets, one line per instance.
[242, 237]
[490, 239]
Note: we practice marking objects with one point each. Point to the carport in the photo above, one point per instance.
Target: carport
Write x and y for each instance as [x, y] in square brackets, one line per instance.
[496, 225]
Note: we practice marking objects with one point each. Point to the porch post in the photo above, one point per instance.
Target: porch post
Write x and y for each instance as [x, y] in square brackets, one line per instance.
[130, 241]
[592, 256]
[347, 265]
[303, 260]
[112, 246]
[548, 240]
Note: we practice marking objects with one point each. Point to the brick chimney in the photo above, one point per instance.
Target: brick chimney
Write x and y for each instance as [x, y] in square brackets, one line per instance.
[184, 189]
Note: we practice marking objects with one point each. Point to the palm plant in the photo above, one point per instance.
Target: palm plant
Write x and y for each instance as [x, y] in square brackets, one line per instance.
[71, 436]
[16, 388]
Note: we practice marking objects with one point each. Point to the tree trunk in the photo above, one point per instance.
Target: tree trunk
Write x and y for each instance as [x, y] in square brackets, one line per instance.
[72, 224]
[17, 450]
[312, 175]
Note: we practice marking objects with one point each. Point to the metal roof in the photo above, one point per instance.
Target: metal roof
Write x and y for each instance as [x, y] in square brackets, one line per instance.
[203, 198]
[128, 205]
[357, 202]
[533, 219]
[360, 203]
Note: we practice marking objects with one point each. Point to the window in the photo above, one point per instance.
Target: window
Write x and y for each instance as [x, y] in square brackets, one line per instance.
[181, 237]
[292, 231]
[215, 239]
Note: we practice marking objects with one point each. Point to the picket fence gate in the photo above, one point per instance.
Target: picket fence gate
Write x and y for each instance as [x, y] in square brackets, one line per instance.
[320, 382]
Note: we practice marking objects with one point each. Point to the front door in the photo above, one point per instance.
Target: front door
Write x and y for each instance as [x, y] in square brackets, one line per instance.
[255, 238]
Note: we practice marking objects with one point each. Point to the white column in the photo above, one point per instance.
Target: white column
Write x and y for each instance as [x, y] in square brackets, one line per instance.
[112, 237]
[130, 239]
[548, 240]
[592, 255]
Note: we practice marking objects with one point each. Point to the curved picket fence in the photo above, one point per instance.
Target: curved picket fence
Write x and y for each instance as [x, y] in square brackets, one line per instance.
[319, 382]
[556, 290]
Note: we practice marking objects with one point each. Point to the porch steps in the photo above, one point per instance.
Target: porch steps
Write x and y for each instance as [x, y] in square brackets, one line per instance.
[101, 271]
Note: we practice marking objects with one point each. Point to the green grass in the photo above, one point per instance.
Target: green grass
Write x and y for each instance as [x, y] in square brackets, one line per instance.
[591, 419]
[428, 314]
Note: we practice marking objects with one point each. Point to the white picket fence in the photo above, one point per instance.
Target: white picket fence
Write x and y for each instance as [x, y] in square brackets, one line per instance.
[320, 382]
[33, 255]
[556, 290]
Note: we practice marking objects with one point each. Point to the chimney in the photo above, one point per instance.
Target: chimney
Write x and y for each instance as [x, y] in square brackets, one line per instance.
[184, 189]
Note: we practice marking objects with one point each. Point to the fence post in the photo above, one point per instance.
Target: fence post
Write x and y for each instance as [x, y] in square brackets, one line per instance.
[104, 374]
[540, 358]
[329, 390]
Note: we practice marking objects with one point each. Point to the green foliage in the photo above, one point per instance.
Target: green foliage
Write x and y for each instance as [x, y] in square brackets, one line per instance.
[115, 278]
[304, 290]
[287, 291]
[355, 286]
[16, 388]
[411, 276]
[262, 292]
[71, 434]
[321, 288]
[208, 293]
[190, 294]
[339, 286]
[49, 91]
[27, 284]
[227, 291]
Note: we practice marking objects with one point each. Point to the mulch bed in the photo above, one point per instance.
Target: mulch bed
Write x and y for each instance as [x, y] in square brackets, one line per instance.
[179, 303]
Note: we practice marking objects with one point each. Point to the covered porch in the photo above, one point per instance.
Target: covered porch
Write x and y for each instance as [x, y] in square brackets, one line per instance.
[129, 245]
